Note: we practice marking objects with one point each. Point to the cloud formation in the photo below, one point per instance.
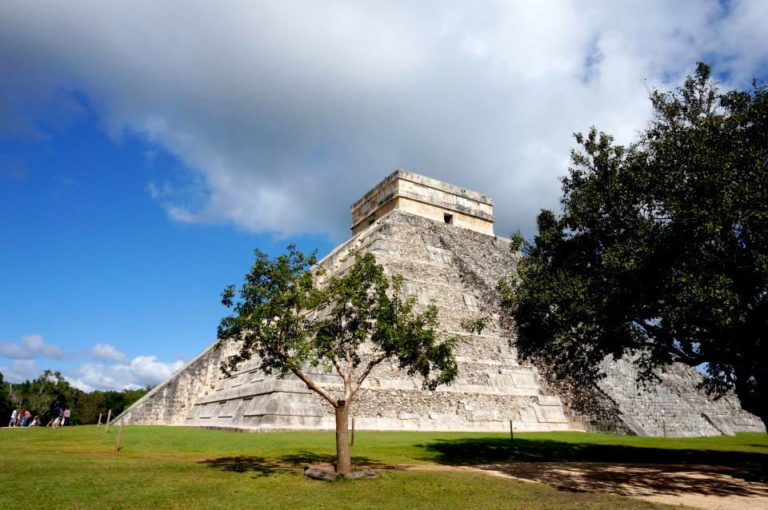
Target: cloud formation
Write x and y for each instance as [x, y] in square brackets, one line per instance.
[139, 372]
[30, 346]
[285, 113]
[112, 371]
[20, 370]
[107, 352]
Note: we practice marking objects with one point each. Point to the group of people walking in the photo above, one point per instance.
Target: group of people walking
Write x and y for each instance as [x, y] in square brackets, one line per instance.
[23, 418]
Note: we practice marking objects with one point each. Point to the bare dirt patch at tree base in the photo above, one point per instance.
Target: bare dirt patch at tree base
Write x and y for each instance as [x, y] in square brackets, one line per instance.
[699, 486]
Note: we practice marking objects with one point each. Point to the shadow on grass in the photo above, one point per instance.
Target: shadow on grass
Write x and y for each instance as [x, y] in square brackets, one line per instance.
[611, 468]
[291, 463]
[472, 451]
[304, 457]
[259, 466]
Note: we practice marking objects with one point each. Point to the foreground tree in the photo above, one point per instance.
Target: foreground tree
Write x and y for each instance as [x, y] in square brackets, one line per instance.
[662, 248]
[350, 324]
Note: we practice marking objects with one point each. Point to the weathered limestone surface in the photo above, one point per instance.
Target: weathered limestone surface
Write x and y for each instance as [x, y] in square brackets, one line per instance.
[457, 269]
[426, 197]
[675, 406]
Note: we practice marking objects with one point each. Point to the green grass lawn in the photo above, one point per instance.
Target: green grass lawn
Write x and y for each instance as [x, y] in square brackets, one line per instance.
[168, 467]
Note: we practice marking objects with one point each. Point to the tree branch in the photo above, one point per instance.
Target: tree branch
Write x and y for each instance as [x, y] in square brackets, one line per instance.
[686, 358]
[366, 372]
[344, 377]
[313, 386]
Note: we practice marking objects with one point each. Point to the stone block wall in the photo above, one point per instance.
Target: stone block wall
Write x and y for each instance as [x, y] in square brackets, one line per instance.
[454, 268]
[426, 197]
[675, 406]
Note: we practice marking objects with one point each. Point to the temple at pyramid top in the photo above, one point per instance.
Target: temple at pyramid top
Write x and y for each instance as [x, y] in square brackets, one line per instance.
[426, 197]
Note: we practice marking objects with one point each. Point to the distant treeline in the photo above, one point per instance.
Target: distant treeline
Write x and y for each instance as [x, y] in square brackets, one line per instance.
[49, 391]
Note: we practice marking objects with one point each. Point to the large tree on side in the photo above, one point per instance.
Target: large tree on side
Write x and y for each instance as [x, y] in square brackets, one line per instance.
[350, 324]
[661, 249]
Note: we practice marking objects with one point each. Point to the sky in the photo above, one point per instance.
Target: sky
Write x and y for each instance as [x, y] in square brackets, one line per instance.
[148, 147]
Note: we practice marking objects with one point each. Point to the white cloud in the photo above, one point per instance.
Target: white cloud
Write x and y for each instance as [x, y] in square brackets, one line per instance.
[287, 112]
[13, 351]
[139, 372]
[107, 352]
[20, 370]
[36, 345]
[114, 372]
[30, 346]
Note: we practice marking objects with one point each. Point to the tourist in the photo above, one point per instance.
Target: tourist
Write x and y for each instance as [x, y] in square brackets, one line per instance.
[14, 414]
[66, 416]
[35, 421]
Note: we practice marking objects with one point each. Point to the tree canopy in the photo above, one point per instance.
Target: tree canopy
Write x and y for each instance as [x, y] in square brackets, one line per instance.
[292, 323]
[661, 249]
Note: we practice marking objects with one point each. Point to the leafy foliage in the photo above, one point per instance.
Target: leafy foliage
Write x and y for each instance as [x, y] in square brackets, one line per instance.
[349, 323]
[288, 322]
[661, 249]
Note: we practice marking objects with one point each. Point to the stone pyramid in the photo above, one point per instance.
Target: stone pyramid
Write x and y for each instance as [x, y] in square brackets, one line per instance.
[439, 237]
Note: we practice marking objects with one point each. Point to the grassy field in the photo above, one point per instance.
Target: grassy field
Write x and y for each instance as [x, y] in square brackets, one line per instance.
[166, 467]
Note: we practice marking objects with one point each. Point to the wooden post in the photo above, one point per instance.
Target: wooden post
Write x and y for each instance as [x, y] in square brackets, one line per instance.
[109, 417]
[664, 427]
[119, 438]
[511, 430]
[352, 441]
[99, 424]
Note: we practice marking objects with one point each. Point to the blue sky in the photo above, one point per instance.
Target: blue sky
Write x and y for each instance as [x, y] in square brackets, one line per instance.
[91, 260]
[146, 148]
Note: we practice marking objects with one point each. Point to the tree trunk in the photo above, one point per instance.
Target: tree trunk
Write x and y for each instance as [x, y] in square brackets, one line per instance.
[343, 461]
